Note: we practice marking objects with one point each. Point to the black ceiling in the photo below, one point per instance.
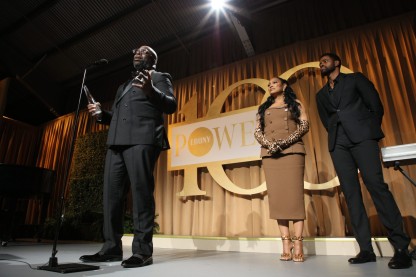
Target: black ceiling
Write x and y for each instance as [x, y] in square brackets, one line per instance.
[45, 45]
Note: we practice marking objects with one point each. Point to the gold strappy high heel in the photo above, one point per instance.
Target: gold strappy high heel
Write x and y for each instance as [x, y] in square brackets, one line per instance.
[287, 256]
[298, 257]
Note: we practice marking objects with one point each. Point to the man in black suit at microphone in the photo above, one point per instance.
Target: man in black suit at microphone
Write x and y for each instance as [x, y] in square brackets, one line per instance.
[135, 138]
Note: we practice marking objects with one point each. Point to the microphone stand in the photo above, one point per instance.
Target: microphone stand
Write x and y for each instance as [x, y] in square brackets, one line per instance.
[397, 167]
[53, 260]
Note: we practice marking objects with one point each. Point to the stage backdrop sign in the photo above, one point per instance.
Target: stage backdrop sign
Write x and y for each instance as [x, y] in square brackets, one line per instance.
[221, 138]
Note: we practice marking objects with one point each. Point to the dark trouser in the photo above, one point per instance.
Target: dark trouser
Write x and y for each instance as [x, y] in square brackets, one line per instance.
[347, 157]
[137, 164]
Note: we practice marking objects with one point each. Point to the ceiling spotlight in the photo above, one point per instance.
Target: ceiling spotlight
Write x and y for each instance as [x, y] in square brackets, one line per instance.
[217, 4]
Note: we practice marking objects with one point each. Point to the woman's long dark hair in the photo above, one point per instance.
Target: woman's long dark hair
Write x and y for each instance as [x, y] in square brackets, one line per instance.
[289, 97]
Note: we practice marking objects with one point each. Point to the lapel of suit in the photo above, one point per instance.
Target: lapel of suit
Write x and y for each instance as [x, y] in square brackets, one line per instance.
[126, 89]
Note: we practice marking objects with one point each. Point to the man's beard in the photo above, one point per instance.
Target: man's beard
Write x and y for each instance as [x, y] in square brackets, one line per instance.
[142, 65]
[327, 70]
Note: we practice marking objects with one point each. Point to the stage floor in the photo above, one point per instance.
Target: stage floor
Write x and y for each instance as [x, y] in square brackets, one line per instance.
[180, 263]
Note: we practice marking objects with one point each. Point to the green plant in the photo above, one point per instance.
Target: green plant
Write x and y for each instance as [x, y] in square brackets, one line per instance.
[83, 217]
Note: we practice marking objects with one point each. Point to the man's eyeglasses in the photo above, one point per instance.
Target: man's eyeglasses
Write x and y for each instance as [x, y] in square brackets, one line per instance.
[140, 51]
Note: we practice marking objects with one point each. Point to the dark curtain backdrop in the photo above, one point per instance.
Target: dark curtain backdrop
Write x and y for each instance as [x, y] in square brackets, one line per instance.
[384, 51]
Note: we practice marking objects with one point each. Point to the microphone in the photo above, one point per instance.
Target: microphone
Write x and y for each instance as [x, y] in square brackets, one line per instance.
[97, 63]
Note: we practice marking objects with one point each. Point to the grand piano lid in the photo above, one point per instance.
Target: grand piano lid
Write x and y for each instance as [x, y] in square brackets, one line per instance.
[399, 152]
[25, 180]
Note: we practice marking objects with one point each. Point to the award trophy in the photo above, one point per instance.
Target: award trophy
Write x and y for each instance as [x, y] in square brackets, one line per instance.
[98, 112]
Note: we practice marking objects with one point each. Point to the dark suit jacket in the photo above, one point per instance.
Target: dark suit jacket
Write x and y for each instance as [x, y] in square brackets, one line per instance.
[136, 118]
[356, 105]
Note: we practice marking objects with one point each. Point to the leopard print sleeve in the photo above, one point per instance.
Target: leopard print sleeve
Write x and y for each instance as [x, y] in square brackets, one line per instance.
[279, 145]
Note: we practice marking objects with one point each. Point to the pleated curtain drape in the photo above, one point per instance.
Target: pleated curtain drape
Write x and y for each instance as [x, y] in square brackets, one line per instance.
[384, 51]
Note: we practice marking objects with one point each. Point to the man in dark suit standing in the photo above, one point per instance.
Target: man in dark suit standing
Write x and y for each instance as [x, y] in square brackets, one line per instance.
[351, 111]
[135, 138]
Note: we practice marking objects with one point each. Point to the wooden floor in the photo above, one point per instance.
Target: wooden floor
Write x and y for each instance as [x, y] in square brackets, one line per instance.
[22, 258]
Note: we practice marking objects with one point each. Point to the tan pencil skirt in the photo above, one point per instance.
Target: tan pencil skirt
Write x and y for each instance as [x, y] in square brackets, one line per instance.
[284, 180]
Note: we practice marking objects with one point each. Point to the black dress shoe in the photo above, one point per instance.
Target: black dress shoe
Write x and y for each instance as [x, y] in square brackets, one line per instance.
[413, 254]
[137, 261]
[99, 258]
[401, 259]
[363, 257]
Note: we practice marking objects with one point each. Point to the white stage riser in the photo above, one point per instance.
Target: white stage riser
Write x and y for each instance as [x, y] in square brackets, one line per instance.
[312, 246]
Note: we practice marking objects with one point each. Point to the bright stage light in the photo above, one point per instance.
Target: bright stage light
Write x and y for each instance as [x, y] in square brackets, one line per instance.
[217, 4]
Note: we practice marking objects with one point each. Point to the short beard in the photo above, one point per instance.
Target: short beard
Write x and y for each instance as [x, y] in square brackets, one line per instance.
[142, 65]
[328, 71]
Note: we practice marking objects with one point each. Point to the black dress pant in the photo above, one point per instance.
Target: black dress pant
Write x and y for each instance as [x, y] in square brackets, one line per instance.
[136, 163]
[347, 158]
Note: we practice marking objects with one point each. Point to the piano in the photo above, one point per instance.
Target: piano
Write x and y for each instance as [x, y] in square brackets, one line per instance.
[22, 182]
[398, 155]
[405, 154]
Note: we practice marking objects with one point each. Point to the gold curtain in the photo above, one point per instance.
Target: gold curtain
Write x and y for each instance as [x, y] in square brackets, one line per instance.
[384, 51]
[19, 142]
[54, 149]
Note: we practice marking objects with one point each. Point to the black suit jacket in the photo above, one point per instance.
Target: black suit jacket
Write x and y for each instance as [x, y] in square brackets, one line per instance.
[136, 118]
[356, 105]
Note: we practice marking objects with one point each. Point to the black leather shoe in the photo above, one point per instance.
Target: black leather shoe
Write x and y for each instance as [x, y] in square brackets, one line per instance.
[363, 257]
[99, 258]
[137, 261]
[401, 259]
[413, 254]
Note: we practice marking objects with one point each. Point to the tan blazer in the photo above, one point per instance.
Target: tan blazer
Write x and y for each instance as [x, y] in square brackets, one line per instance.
[279, 124]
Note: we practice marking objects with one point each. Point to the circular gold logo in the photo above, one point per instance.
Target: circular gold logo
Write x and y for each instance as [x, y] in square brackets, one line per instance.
[200, 141]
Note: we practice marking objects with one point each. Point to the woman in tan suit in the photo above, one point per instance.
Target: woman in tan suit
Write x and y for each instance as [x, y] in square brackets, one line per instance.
[281, 123]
